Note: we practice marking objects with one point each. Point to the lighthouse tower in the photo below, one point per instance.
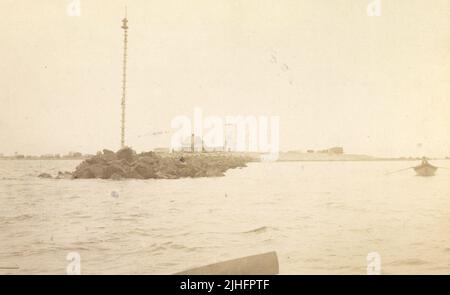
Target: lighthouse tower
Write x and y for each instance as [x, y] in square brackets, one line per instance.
[124, 78]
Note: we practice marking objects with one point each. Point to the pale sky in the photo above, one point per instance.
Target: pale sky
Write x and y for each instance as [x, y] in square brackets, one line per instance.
[333, 75]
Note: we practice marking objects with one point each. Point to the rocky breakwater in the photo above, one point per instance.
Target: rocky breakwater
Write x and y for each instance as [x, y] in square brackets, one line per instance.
[126, 163]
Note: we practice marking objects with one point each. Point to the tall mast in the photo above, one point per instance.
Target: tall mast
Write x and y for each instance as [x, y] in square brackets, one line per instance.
[124, 76]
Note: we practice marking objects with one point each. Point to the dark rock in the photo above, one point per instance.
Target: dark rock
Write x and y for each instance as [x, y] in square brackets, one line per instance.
[144, 171]
[112, 169]
[133, 174]
[64, 175]
[83, 174]
[214, 172]
[89, 171]
[116, 176]
[98, 170]
[44, 175]
[148, 154]
[108, 156]
[126, 154]
[108, 152]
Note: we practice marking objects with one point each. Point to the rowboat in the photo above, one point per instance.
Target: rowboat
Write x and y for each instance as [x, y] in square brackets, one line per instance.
[425, 169]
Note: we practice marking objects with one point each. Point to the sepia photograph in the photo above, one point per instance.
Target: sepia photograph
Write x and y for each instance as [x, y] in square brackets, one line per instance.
[225, 137]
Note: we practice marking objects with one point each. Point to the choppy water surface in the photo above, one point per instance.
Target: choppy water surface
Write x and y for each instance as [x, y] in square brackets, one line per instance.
[320, 217]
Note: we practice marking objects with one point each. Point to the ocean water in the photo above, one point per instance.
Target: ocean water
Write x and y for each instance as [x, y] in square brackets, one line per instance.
[320, 218]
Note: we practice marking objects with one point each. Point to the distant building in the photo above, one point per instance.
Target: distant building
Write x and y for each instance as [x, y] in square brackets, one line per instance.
[50, 156]
[46, 156]
[333, 151]
[336, 150]
[194, 144]
[191, 144]
[310, 151]
[215, 149]
[295, 151]
[73, 155]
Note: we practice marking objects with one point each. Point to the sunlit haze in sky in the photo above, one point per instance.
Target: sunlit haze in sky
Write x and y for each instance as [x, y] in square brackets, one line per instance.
[334, 75]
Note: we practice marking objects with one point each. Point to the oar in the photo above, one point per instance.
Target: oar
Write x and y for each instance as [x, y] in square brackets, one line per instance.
[404, 169]
[443, 167]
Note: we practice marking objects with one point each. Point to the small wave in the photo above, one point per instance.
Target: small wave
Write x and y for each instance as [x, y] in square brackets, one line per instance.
[361, 230]
[409, 261]
[21, 217]
[314, 260]
[124, 219]
[140, 232]
[177, 246]
[165, 247]
[75, 247]
[258, 230]
[334, 205]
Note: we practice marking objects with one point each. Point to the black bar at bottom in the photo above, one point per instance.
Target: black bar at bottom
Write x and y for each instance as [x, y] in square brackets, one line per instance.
[222, 284]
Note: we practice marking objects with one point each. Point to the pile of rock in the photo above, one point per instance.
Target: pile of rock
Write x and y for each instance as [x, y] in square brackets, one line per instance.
[127, 164]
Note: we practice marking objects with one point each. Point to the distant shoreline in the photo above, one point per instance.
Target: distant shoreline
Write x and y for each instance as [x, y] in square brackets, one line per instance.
[329, 157]
[283, 157]
[364, 160]
[42, 159]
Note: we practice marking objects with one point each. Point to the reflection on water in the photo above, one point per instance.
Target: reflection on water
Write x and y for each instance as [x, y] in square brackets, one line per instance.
[320, 217]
